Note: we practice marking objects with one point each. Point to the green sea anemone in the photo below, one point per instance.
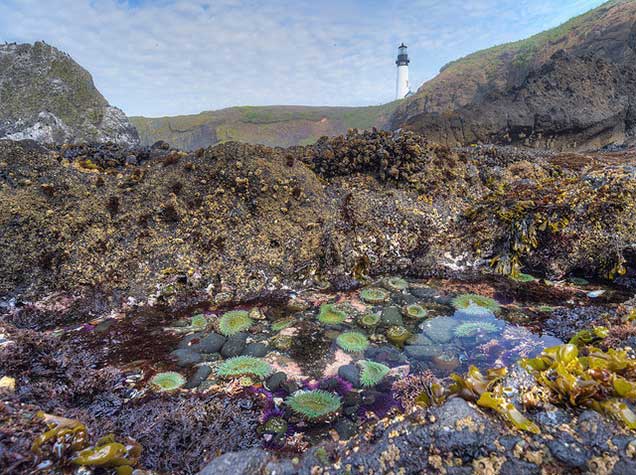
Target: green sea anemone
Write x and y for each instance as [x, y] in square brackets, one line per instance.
[168, 381]
[234, 322]
[330, 314]
[469, 329]
[398, 335]
[521, 277]
[415, 311]
[369, 320]
[468, 303]
[352, 342]
[372, 372]
[281, 324]
[313, 405]
[374, 295]
[199, 322]
[396, 284]
[244, 366]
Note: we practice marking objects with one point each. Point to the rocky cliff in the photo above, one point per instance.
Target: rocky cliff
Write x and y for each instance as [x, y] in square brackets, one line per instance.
[46, 96]
[572, 87]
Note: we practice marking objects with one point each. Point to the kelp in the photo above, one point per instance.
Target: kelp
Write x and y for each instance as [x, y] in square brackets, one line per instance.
[586, 337]
[588, 377]
[485, 391]
[65, 442]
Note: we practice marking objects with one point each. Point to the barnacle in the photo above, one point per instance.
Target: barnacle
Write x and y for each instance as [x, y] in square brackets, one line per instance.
[374, 295]
[398, 335]
[352, 342]
[396, 284]
[234, 322]
[244, 366]
[473, 303]
[468, 329]
[168, 381]
[372, 372]
[314, 405]
[369, 320]
[330, 314]
[414, 311]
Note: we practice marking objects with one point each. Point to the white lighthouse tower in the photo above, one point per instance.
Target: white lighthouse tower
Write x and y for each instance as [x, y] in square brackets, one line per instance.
[402, 85]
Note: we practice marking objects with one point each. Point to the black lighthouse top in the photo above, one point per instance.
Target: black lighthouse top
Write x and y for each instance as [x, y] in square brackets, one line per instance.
[403, 57]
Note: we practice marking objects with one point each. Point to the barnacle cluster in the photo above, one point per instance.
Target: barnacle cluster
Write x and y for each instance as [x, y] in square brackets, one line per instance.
[352, 342]
[314, 405]
[330, 314]
[596, 379]
[234, 322]
[244, 366]
[374, 295]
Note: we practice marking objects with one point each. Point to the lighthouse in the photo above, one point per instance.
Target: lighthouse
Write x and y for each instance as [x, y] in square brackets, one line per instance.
[402, 85]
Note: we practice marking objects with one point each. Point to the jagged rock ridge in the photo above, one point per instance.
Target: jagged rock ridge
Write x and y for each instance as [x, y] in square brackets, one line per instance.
[572, 87]
[46, 96]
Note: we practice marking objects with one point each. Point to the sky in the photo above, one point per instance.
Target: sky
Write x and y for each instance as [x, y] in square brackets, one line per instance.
[170, 57]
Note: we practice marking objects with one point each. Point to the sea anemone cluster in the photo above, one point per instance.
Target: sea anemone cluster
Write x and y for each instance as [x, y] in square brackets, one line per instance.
[331, 314]
[239, 366]
[168, 381]
[469, 329]
[372, 372]
[314, 405]
[234, 322]
[352, 342]
[374, 295]
[476, 305]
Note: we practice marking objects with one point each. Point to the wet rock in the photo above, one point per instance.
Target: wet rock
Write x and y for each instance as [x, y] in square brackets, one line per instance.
[275, 381]
[198, 377]
[246, 462]
[439, 329]
[211, 357]
[470, 438]
[281, 467]
[424, 293]
[568, 451]
[257, 350]
[234, 345]
[345, 428]
[388, 355]
[392, 316]
[420, 352]
[211, 343]
[186, 357]
[350, 373]
[514, 466]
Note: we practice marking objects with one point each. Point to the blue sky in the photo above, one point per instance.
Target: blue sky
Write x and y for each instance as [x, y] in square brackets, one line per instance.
[168, 57]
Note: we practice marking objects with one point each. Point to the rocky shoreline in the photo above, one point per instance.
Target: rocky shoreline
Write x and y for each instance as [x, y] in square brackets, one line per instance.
[95, 231]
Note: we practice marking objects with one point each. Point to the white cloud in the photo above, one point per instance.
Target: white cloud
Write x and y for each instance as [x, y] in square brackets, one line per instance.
[185, 56]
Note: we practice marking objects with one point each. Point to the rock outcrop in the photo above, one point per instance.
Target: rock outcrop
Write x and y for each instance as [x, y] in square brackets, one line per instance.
[46, 96]
[570, 88]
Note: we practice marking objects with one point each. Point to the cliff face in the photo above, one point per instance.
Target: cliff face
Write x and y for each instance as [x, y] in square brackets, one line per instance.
[46, 96]
[573, 87]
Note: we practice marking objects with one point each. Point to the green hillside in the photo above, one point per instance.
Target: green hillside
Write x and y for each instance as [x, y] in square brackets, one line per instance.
[268, 125]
